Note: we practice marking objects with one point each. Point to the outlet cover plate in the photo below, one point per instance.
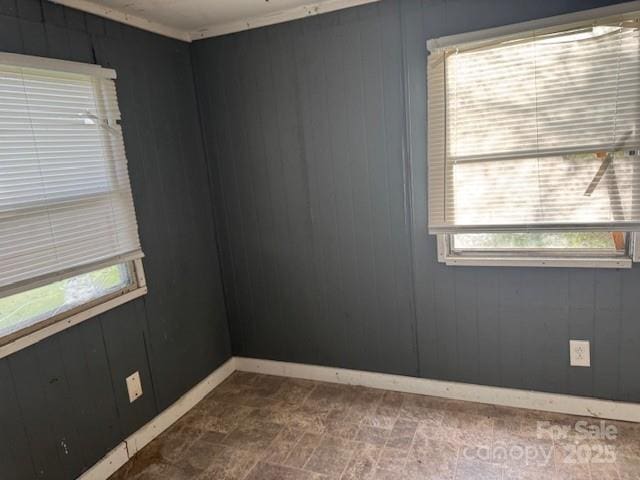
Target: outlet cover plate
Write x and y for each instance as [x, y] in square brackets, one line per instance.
[579, 353]
[134, 387]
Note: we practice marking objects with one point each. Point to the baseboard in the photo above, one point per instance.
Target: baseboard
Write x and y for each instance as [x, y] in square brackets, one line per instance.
[509, 397]
[134, 443]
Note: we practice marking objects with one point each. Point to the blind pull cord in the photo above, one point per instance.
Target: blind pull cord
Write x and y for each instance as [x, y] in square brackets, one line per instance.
[95, 120]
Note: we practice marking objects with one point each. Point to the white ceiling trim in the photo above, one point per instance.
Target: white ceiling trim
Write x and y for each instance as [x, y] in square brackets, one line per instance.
[215, 29]
[122, 17]
[278, 17]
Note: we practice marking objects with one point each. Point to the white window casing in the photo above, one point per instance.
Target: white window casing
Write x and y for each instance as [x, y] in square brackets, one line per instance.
[66, 205]
[537, 130]
[58, 323]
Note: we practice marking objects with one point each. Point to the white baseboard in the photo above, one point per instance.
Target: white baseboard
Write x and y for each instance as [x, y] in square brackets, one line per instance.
[508, 397]
[127, 449]
[108, 465]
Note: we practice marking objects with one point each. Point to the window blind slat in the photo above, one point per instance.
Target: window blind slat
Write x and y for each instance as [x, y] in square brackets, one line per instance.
[536, 133]
[65, 195]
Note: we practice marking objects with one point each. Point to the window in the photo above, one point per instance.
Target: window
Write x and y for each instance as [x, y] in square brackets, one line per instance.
[533, 145]
[608, 243]
[539, 249]
[25, 309]
[68, 231]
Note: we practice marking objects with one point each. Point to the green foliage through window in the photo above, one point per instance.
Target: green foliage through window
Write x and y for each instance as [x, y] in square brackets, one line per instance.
[26, 308]
[536, 241]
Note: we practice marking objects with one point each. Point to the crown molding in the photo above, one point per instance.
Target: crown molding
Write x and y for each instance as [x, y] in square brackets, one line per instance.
[276, 17]
[122, 17]
[213, 30]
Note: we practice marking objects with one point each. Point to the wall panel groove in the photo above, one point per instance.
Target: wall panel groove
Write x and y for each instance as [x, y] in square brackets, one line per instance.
[337, 238]
[64, 400]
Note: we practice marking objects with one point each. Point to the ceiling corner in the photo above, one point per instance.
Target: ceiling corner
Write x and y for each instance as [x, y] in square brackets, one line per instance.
[94, 8]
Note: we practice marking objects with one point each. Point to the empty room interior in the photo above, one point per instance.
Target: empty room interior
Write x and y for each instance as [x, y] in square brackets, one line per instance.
[319, 240]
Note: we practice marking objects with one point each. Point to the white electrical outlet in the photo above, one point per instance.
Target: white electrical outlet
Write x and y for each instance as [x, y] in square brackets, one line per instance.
[579, 353]
[134, 387]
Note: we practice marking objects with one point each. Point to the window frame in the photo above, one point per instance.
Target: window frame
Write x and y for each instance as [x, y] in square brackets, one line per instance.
[445, 254]
[46, 327]
[136, 288]
[536, 258]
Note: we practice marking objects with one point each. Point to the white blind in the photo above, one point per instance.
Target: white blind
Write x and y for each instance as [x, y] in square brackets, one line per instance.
[538, 132]
[65, 198]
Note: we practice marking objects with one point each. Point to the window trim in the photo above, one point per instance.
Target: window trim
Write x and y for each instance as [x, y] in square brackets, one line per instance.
[566, 19]
[63, 66]
[57, 323]
[105, 97]
[447, 256]
[438, 47]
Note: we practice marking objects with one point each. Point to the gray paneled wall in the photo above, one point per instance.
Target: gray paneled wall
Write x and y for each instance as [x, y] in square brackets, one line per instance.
[304, 130]
[315, 138]
[63, 402]
[315, 141]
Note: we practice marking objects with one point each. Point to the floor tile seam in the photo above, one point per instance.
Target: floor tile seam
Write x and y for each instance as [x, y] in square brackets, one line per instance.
[306, 398]
[322, 437]
[378, 403]
[406, 458]
[246, 475]
[262, 457]
[376, 464]
[353, 452]
[293, 448]
[298, 469]
[455, 465]
[313, 452]
[615, 465]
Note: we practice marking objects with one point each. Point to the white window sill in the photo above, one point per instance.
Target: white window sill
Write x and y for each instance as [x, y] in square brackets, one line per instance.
[448, 257]
[486, 261]
[78, 315]
[68, 322]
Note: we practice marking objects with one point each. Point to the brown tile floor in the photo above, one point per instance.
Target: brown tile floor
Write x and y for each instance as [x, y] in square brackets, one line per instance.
[258, 427]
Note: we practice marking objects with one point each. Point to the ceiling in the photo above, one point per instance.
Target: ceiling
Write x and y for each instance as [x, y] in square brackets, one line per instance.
[193, 19]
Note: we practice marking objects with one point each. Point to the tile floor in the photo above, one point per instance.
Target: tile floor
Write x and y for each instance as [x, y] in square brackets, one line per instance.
[259, 427]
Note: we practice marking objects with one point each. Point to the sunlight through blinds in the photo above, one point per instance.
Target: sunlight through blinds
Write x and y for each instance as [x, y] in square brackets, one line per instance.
[539, 132]
[65, 198]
